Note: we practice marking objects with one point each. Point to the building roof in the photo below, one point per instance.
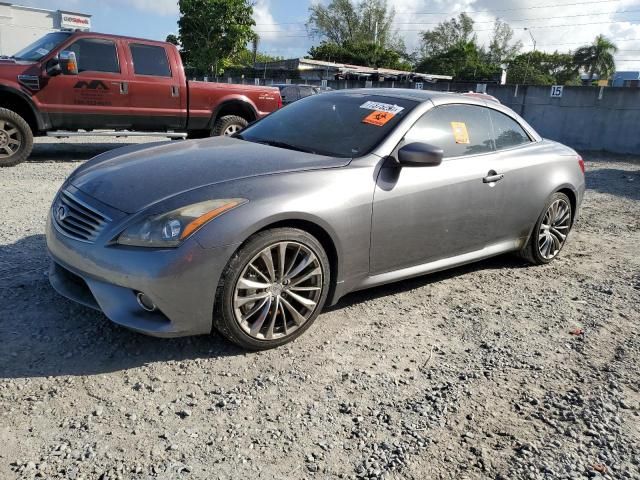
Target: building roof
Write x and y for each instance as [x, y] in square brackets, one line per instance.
[345, 68]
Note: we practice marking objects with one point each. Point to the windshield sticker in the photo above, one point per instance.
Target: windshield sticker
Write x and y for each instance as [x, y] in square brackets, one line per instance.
[378, 118]
[382, 107]
[460, 132]
[42, 51]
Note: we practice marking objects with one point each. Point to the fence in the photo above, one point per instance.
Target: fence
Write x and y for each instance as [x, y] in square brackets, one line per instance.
[585, 118]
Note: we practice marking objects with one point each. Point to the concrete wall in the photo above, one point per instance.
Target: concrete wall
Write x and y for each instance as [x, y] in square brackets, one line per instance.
[585, 118]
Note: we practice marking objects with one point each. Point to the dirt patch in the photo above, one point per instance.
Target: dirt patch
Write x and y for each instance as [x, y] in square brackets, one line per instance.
[470, 373]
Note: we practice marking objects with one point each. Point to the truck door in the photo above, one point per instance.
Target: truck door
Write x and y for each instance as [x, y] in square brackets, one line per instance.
[95, 98]
[157, 87]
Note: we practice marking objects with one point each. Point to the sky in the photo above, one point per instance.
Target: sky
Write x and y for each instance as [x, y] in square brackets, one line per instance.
[553, 24]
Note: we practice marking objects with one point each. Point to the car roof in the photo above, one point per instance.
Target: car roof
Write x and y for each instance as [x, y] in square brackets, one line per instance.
[416, 95]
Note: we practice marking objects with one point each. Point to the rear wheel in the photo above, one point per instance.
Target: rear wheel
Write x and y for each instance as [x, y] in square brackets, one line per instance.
[16, 138]
[228, 125]
[272, 289]
[551, 231]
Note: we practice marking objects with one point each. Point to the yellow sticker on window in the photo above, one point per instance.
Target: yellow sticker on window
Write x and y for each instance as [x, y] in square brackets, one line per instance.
[460, 133]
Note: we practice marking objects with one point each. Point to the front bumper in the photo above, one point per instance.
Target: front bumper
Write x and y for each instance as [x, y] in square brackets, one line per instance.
[181, 282]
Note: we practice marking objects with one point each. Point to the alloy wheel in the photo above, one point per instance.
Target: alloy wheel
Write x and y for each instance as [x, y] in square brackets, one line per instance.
[278, 290]
[554, 229]
[10, 139]
[231, 129]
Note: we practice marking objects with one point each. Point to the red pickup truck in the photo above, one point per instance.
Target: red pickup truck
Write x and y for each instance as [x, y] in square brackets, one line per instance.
[69, 81]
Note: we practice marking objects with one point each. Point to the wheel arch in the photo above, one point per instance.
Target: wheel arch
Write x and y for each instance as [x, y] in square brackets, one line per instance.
[14, 100]
[241, 107]
[573, 198]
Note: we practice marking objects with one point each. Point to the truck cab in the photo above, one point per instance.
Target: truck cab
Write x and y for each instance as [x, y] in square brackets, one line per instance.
[70, 81]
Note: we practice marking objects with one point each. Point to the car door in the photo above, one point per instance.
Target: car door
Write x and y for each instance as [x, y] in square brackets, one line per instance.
[95, 97]
[423, 214]
[521, 164]
[158, 99]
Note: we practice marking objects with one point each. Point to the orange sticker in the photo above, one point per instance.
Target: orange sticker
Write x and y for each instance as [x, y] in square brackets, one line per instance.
[460, 132]
[378, 118]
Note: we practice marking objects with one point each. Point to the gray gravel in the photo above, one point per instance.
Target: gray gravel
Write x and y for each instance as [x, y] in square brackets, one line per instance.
[495, 370]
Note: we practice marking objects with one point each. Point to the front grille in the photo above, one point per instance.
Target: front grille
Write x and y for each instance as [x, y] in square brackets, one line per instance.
[76, 219]
[30, 81]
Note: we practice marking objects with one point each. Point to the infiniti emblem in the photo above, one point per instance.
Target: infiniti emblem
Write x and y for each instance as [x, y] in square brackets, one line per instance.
[61, 213]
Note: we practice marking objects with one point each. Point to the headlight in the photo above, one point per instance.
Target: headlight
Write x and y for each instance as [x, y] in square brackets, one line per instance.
[170, 229]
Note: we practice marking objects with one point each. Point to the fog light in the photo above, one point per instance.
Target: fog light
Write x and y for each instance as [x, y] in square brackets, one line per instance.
[145, 302]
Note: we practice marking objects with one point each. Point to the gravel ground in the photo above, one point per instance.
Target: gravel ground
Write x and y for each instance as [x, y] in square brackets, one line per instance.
[495, 370]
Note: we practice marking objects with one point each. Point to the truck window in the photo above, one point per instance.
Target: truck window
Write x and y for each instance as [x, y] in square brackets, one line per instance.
[95, 55]
[150, 60]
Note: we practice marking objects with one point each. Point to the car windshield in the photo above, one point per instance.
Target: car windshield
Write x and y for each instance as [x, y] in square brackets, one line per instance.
[338, 125]
[42, 46]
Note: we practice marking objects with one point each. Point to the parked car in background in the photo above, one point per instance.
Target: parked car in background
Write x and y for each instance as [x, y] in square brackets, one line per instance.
[83, 80]
[253, 234]
[292, 93]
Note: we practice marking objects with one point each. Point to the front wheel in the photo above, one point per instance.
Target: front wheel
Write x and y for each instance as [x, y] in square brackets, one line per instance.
[228, 125]
[551, 231]
[16, 138]
[273, 289]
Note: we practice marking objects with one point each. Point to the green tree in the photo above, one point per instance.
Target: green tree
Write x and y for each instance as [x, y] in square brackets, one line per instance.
[597, 58]
[173, 39]
[541, 68]
[361, 54]
[344, 22]
[213, 31]
[502, 48]
[447, 35]
[464, 62]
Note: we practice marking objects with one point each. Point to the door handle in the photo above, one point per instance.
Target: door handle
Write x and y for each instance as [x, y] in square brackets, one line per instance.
[124, 88]
[493, 177]
[175, 91]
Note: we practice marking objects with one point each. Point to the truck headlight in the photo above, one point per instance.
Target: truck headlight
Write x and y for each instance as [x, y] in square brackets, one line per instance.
[170, 229]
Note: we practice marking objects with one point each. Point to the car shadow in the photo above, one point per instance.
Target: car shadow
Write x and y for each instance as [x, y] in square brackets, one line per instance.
[43, 334]
[621, 183]
[402, 286]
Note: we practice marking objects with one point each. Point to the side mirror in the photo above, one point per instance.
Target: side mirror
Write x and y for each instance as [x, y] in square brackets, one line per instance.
[420, 155]
[68, 63]
[53, 67]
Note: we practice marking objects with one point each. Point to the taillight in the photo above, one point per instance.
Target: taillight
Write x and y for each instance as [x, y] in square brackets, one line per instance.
[581, 163]
[279, 101]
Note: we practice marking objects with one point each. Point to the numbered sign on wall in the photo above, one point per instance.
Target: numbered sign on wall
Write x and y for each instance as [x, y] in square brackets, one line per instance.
[419, 85]
[324, 83]
[556, 91]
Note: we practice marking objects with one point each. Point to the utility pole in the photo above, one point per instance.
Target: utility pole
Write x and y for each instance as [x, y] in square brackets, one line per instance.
[526, 72]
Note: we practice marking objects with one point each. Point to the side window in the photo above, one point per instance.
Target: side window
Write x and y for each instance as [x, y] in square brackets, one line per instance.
[508, 133]
[306, 92]
[457, 129]
[95, 55]
[150, 60]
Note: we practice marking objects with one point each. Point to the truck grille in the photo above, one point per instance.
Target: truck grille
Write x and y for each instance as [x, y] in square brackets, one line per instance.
[30, 81]
[76, 219]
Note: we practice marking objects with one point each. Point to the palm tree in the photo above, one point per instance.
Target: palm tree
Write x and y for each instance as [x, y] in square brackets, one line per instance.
[597, 58]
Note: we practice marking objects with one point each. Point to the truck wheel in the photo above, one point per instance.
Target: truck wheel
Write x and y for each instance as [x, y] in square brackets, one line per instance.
[228, 125]
[16, 138]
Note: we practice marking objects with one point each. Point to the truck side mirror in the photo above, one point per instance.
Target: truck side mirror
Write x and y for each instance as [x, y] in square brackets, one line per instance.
[68, 62]
[53, 67]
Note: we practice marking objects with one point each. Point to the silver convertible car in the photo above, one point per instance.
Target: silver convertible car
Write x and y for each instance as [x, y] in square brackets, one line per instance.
[252, 235]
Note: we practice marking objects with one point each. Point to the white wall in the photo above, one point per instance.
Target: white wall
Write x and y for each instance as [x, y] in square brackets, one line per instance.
[20, 26]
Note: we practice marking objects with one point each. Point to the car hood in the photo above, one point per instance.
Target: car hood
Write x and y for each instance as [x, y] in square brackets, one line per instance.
[132, 178]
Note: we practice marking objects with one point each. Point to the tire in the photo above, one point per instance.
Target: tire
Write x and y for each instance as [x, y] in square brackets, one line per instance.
[273, 322]
[228, 125]
[16, 138]
[535, 251]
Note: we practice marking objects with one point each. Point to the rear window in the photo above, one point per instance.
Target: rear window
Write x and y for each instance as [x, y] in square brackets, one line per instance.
[150, 60]
[338, 125]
